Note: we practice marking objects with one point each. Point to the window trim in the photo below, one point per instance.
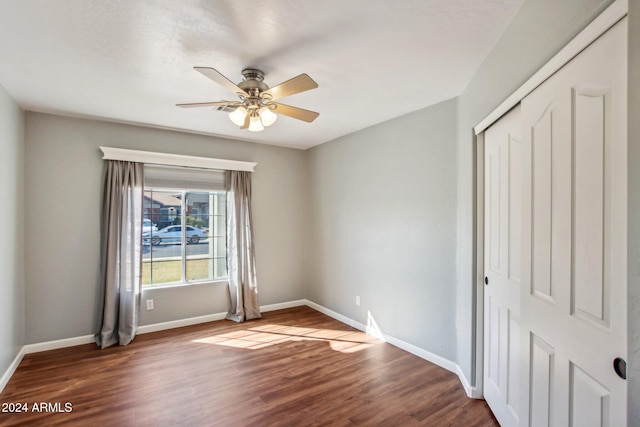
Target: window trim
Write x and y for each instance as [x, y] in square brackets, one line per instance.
[150, 157]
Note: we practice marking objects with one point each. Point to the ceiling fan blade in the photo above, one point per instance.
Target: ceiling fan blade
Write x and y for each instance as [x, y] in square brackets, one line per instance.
[208, 104]
[217, 77]
[295, 112]
[229, 108]
[292, 86]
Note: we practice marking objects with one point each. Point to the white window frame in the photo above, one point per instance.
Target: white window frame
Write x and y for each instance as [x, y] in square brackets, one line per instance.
[184, 281]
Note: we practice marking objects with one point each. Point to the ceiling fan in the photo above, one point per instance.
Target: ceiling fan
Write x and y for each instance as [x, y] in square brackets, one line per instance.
[256, 107]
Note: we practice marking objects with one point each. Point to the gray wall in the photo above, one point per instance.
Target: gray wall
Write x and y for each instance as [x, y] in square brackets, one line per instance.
[12, 314]
[63, 203]
[382, 227]
[633, 313]
[538, 31]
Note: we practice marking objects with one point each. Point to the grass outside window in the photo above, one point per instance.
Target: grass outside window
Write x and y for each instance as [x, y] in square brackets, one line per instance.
[166, 272]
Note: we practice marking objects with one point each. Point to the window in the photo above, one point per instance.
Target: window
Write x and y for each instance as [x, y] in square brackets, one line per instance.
[184, 230]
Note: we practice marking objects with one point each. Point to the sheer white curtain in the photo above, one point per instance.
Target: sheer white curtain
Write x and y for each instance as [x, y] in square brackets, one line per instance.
[241, 263]
[121, 252]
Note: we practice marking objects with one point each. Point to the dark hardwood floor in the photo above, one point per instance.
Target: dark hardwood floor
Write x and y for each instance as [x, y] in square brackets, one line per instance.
[293, 367]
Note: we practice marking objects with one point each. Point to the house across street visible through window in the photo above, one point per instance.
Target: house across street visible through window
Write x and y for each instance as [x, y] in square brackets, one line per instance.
[184, 237]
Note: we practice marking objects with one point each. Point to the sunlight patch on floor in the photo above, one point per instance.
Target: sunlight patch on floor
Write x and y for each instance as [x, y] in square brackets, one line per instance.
[267, 335]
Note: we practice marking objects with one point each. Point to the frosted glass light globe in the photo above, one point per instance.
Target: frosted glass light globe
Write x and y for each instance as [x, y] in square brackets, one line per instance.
[255, 125]
[237, 116]
[267, 116]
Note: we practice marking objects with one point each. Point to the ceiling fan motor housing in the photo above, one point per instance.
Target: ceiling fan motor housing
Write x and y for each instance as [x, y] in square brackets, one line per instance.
[252, 80]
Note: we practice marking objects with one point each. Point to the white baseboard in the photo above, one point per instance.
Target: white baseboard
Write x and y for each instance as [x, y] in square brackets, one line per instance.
[53, 345]
[283, 305]
[145, 329]
[472, 392]
[155, 327]
[344, 319]
[417, 351]
[11, 369]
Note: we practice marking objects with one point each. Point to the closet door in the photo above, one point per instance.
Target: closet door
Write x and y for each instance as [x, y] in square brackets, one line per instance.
[503, 248]
[573, 302]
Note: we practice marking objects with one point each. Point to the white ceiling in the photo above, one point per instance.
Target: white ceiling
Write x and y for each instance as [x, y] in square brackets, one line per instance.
[131, 60]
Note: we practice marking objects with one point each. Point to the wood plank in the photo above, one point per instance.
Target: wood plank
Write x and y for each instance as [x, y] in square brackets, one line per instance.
[293, 367]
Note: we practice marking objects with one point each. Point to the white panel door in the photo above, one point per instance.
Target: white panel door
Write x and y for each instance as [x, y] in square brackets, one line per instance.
[503, 214]
[573, 301]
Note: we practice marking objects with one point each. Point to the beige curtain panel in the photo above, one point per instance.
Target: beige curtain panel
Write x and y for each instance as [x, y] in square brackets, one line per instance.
[121, 252]
[241, 262]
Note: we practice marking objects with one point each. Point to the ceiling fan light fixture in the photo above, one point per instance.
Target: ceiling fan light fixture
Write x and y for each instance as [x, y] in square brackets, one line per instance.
[255, 124]
[257, 107]
[238, 116]
[267, 116]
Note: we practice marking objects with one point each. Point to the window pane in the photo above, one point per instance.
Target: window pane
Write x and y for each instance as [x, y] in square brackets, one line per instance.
[198, 205]
[163, 208]
[199, 269]
[161, 272]
[200, 249]
[199, 244]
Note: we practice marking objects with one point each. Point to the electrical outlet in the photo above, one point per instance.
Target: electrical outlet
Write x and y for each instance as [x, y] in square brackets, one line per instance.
[149, 304]
[357, 300]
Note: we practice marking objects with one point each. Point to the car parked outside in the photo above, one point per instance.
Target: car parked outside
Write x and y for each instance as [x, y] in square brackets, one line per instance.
[173, 234]
[148, 226]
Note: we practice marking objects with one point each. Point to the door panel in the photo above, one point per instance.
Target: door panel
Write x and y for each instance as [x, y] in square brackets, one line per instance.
[591, 214]
[574, 240]
[515, 209]
[513, 364]
[495, 242]
[541, 387]
[542, 156]
[503, 267]
[588, 400]
[494, 344]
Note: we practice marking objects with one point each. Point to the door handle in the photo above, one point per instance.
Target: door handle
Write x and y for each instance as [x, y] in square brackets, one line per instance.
[486, 280]
[620, 366]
